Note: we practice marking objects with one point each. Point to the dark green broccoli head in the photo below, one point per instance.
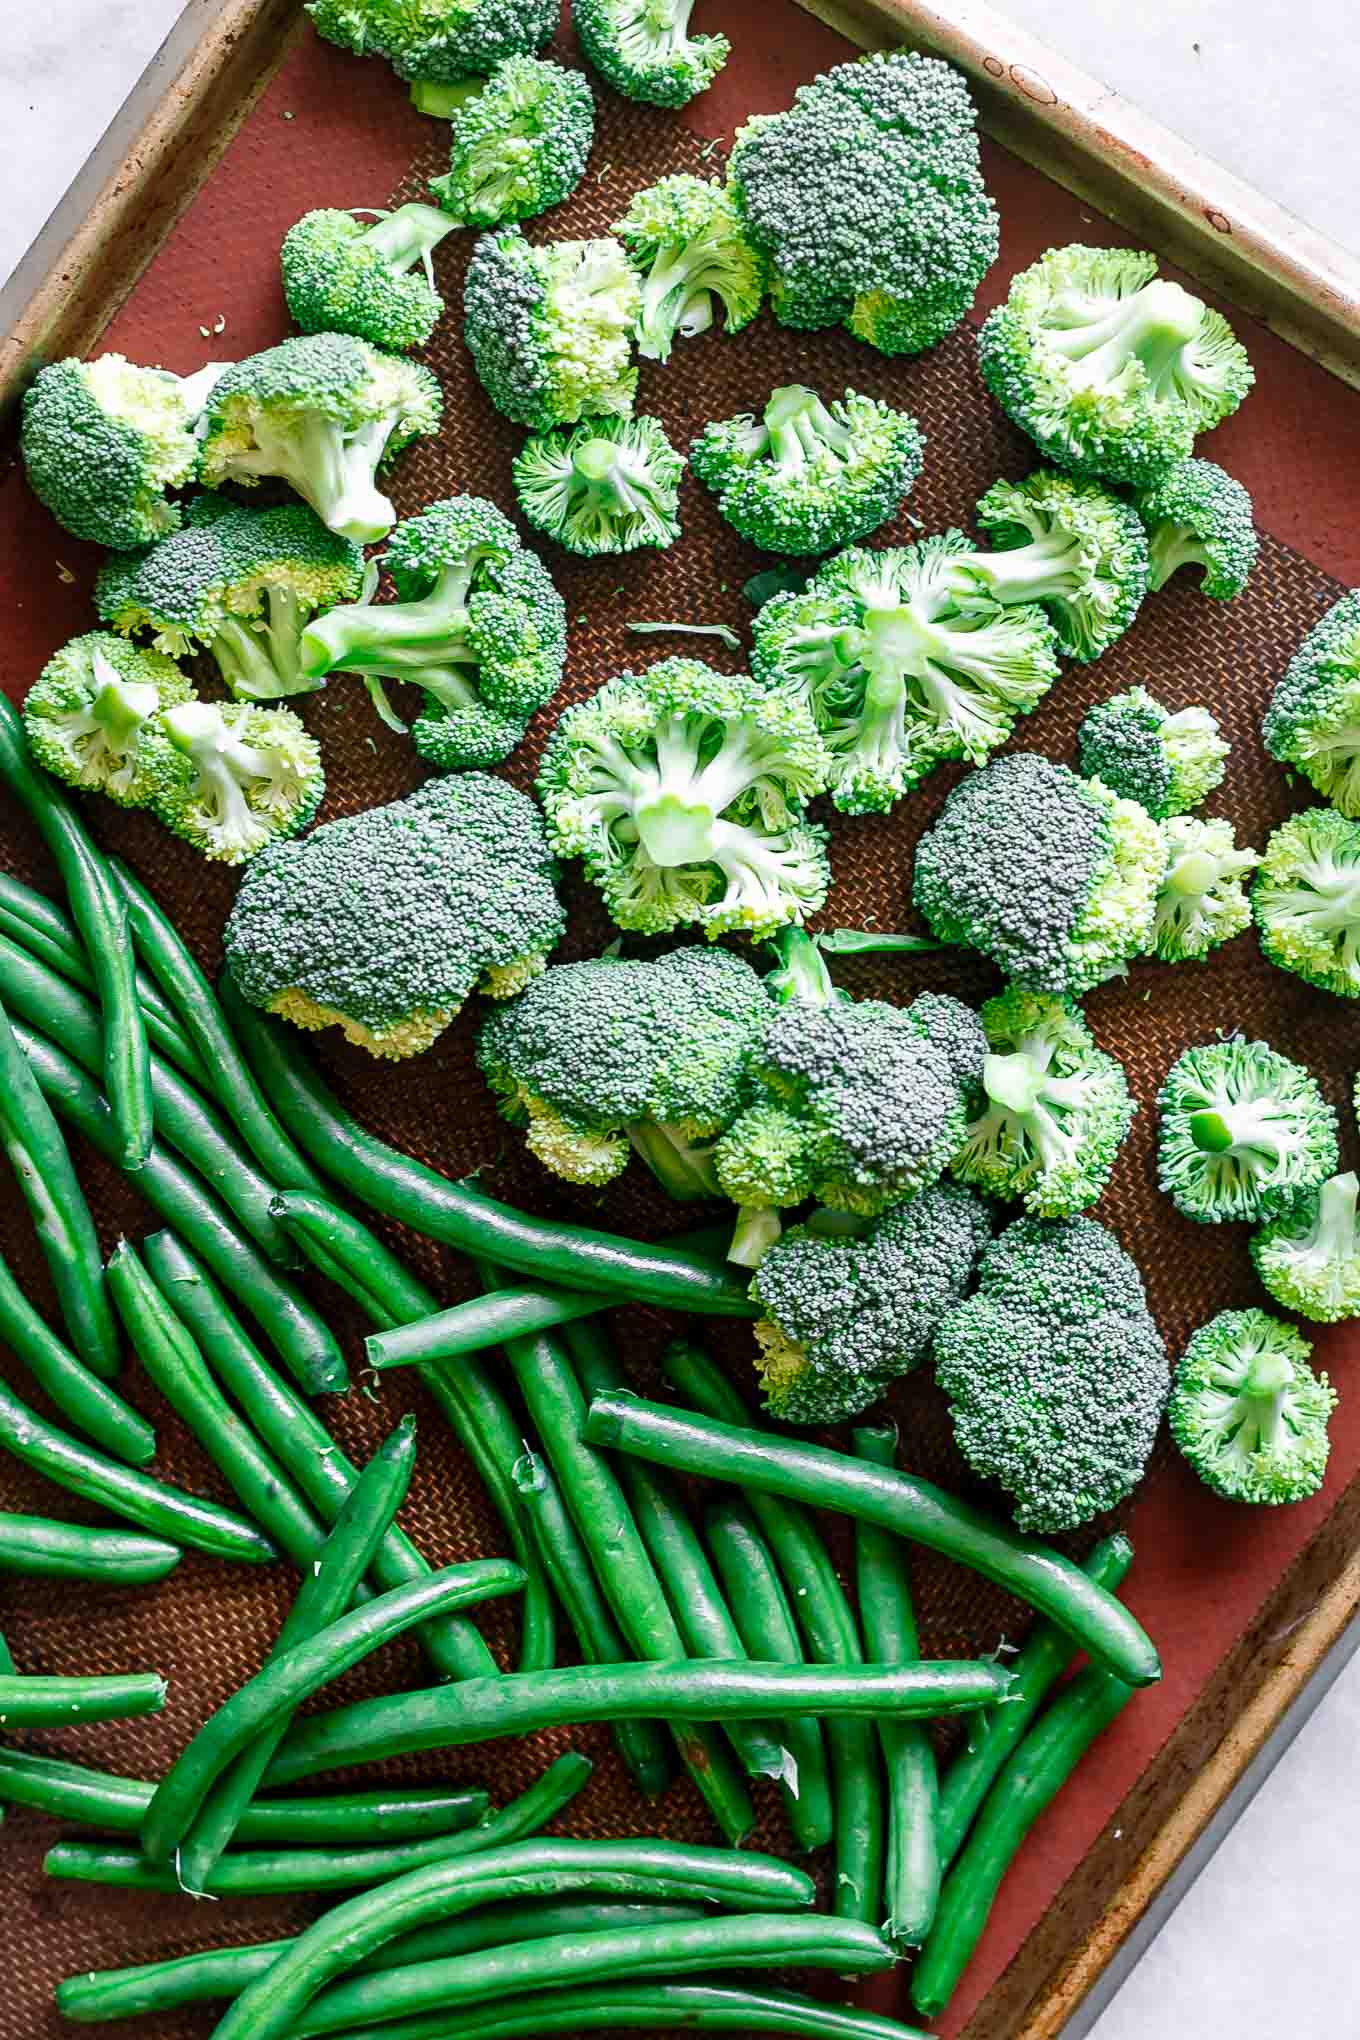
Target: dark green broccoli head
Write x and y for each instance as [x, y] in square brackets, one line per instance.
[1243, 1131]
[1072, 547]
[1309, 1257]
[1201, 901]
[551, 328]
[1315, 710]
[1199, 516]
[607, 485]
[1248, 1412]
[691, 252]
[644, 49]
[439, 40]
[90, 712]
[343, 274]
[231, 779]
[1167, 762]
[1306, 900]
[518, 145]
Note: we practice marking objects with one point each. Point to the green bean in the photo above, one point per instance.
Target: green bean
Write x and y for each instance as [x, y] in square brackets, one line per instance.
[1030, 1779]
[98, 912]
[483, 1321]
[42, 1549]
[81, 1397]
[911, 1880]
[896, 1501]
[31, 1702]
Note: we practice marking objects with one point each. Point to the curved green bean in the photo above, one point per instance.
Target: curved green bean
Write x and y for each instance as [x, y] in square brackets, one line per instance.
[82, 1398]
[33, 1702]
[480, 1322]
[39, 1548]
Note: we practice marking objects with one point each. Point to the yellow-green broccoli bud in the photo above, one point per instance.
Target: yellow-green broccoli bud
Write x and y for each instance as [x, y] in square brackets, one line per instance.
[644, 49]
[89, 715]
[231, 779]
[691, 252]
[550, 328]
[1202, 901]
[1309, 1257]
[1313, 720]
[1248, 1412]
[1168, 763]
[343, 275]
[1306, 900]
[518, 145]
[607, 485]
[1243, 1131]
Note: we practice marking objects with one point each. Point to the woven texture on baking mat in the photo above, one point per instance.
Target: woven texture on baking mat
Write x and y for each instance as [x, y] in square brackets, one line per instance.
[210, 1624]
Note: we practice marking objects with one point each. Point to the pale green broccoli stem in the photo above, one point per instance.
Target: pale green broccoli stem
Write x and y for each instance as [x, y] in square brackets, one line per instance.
[118, 712]
[680, 801]
[800, 976]
[424, 642]
[801, 430]
[1333, 1237]
[618, 481]
[896, 643]
[678, 293]
[1248, 1128]
[1022, 1084]
[1192, 874]
[407, 236]
[331, 469]
[720, 631]
[442, 100]
[1254, 1410]
[1170, 547]
[1152, 327]
[1038, 572]
[684, 1170]
[195, 389]
[757, 1228]
[225, 765]
[265, 667]
[1325, 899]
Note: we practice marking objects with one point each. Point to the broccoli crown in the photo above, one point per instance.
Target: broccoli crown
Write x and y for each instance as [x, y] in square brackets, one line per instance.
[1313, 720]
[1199, 516]
[1167, 763]
[692, 255]
[323, 413]
[442, 40]
[1202, 900]
[1110, 370]
[681, 789]
[341, 275]
[845, 1313]
[1055, 1109]
[519, 145]
[866, 200]
[550, 328]
[1055, 1372]
[1306, 900]
[1243, 1131]
[903, 665]
[810, 475]
[1309, 1257]
[607, 485]
[91, 711]
[1070, 546]
[383, 923]
[1054, 877]
[232, 779]
[477, 624]
[644, 49]
[1247, 1410]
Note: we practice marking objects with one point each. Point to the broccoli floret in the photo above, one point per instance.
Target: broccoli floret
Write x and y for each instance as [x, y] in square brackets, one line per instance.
[1055, 1372]
[1199, 516]
[846, 1311]
[644, 49]
[550, 328]
[1202, 900]
[1309, 1257]
[323, 413]
[1055, 1112]
[1167, 763]
[1313, 720]
[1052, 876]
[1070, 546]
[519, 143]
[681, 789]
[1248, 1412]
[613, 1057]
[1110, 369]
[232, 779]
[383, 923]
[343, 276]
[239, 584]
[901, 666]
[1306, 900]
[436, 43]
[1243, 1131]
[607, 485]
[103, 440]
[477, 624]
[866, 200]
[810, 475]
[691, 252]
[89, 713]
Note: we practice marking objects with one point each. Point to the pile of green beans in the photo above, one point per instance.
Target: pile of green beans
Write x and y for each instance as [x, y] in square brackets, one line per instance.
[41, 1549]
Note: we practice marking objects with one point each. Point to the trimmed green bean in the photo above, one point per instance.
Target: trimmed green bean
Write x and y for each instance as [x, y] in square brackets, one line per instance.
[33, 1702]
[82, 1398]
[482, 1321]
[39, 1548]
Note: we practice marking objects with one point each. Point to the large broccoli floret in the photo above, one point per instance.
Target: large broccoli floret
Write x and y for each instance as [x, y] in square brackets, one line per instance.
[550, 328]
[1069, 545]
[232, 779]
[519, 143]
[103, 440]
[866, 200]
[1167, 763]
[1309, 1257]
[682, 791]
[436, 43]
[846, 1311]
[90, 712]
[239, 584]
[691, 252]
[1052, 876]
[607, 485]
[1055, 1371]
[1202, 900]
[322, 413]
[644, 49]
[1248, 1412]
[903, 665]
[1313, 721]
[1199, 516]
[1243, 1131]
[810, 475]
[383, 923]
[477, 623]
[1110, 369]
[613, 1057]
[1055, 1112]
[1306, 900]
[342, 275]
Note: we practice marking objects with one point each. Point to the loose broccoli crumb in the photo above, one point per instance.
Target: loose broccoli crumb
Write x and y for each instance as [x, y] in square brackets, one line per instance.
[644, 49]
[232, 780]
[1306, 900]
[341, 275]
[550, 328]
[1198, 516]
[1309, 1257]
[691, 253]
[439, 41]
[1167, 762]
[607, 485]
[1248, 1412]
[1202, 901]
[1243, 1131]
[90, 712]
[518, 145]
[1313, 720]
[1070, 546]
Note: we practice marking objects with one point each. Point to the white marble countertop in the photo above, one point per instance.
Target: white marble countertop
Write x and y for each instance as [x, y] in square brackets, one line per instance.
[1264, 1944]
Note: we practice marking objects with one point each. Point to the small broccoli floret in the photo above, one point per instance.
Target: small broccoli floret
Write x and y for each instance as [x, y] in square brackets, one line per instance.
[103, 440]
[1248, 1412]
[343, 276]
[1309, 1257]
[1306, 900]
[436, 42]
[1055, 1371]
[550, 328]
[1167, 763]
[1052, 876]
[1199, 516]
[1313, 720]
[383, 923]
[845, 1312]
[644, 49]
[1243, 1131]
[519, 143]
[89, 713]
[1110, 369]
[323, 413]
[681, 789]
[1202, 900]
[232, 779]
[607, 485]
[477, 623]
[1055, 1112]
[1070, 546]
[810, 475]
[691, 252]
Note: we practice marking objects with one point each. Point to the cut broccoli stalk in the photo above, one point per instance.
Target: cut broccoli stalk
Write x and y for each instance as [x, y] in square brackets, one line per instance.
[802, 430]
[116, 716]
[1250, 1127]
[442, 100]
[800, 975]
[1309, 1259]
[424, 641]
[408, 236]
[682, 1165]
[330, 468]
[617, 483]
[261, 661]
[1151, 327]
